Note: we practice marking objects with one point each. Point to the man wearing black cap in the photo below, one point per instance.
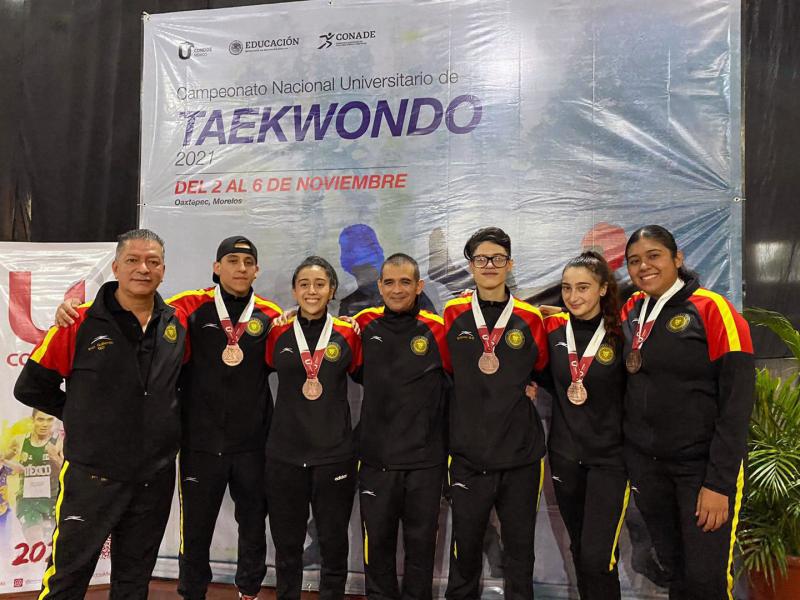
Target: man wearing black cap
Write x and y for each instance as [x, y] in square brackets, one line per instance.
[226, 407]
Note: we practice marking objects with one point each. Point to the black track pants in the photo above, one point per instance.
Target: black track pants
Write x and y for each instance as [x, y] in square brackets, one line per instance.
[699, 564]
[515, 495]
[88, 509]
[330, 490]
[203, 479]
[387, 498]
[592, 501]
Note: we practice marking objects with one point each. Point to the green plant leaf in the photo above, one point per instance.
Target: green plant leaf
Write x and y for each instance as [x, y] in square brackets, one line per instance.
[778, 324]
[769, 529]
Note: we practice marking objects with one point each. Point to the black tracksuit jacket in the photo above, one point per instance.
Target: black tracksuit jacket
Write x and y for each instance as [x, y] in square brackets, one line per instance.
[493, 424]
[118, 424]
[405, 381]
[225, 409]
[590, 433]
[693, 396]
[312, 432]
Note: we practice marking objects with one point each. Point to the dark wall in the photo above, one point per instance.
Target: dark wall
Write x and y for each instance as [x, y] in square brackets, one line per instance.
[69, 132]
[14, 221]
[771, 64]
[69, 127]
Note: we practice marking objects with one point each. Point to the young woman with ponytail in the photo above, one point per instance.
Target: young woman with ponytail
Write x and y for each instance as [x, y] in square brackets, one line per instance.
[587, 382]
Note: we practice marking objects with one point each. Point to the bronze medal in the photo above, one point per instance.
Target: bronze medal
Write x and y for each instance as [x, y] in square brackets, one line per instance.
[488, 363]
[232, 355]
[312, 389]
[576, 393]
[634, 361]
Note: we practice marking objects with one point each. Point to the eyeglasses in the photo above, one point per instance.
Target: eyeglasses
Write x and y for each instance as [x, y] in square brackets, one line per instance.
[498, 260]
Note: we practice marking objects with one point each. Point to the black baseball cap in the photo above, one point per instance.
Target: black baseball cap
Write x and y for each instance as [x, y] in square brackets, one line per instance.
[229, 246]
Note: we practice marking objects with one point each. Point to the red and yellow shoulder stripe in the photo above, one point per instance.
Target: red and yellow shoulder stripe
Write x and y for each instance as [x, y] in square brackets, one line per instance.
[373, 310]
[341, 323]
[58, 337]
[426, 315]
[459, 302]
[556, 321]
[57, 350]
[630, 303]
[191, 300]
[267, 306]
[456, 307]
[348, 332]
[525, 307]
[533, 319]
[726, 329]
[40, 350]
[436, 325]
[368, 315]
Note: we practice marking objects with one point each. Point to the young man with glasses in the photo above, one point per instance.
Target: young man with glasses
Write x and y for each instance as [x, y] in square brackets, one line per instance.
[497, 441]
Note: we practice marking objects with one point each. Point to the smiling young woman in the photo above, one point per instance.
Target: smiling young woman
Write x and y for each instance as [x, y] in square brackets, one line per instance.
[310, 450]
[687, 405]
[587, 383]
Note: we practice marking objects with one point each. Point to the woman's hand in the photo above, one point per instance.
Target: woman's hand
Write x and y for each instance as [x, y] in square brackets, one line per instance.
[712, 509]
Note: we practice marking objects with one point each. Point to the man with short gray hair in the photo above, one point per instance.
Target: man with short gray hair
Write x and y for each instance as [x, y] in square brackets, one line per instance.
[120, 360]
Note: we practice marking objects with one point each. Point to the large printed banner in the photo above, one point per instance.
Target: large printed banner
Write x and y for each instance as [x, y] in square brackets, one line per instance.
[34, 280]
[355, 129]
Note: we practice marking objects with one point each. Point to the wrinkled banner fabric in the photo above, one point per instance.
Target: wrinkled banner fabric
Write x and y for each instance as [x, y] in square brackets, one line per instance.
[354, 130]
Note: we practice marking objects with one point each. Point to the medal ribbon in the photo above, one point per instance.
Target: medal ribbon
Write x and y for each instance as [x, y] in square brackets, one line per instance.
[490, 339]
[642, 331]
[578, 368]
[232, 332]
[313, 363]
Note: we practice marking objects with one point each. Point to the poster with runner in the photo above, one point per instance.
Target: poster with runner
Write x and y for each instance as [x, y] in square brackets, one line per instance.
[34, 280]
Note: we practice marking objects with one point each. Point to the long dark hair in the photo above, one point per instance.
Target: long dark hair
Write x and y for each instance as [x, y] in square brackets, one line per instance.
[318, 261]
[663, 236]
[609, 304]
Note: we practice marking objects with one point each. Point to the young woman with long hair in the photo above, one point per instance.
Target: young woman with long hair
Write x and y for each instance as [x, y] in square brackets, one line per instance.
[587, 383]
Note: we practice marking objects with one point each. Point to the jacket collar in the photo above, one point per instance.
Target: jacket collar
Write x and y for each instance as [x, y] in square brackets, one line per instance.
[100, 307]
